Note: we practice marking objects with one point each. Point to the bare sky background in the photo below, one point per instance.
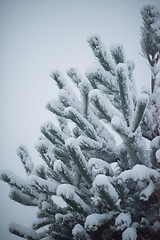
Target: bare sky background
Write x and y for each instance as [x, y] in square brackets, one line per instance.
[37, 37]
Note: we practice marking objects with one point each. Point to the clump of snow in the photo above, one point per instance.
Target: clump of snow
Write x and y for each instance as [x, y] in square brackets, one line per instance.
[45, 148]
[63, 217]
[99, 49]
[147, 192]
[139, 111]
[67, 191]
[43, 185]
[78, 229]
[58, 77]
[52, 130]
[58, 166]
[45, 205]
[123, 221]
[59, 201]
[139, 172]
[38, 223]
[76, 117]
[107, 107]
[120, 125]
[95, 220]
[96, 200]
[130, 64]
[87, 142]
[72, 145]
[156, 68]
[155, 143]
[122, 68]
[117, 49]
[63, 84]
[68, 100]
[102, 181]
[84, 87]
[56, 107]
[13, 179]
[118, 140]
[79, 233]
[143, 98]
[156, 226]
[129, 234]
[98, 166]
[115, 168]
[158, 155]
[22, 231]
[102, 130]
[75, 75]
[23, 153]
[41, 145]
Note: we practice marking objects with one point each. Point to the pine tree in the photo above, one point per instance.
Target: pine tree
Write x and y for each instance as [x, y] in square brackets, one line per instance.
[150, 43]
[90, 187]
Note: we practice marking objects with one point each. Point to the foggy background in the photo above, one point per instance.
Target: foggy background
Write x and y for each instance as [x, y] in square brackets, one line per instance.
[37, 37]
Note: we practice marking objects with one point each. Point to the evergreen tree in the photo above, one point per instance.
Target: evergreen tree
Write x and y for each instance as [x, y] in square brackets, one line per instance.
[90, 187]
[150, 43]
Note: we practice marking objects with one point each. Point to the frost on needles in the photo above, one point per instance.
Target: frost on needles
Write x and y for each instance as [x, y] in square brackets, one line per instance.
[91, 187]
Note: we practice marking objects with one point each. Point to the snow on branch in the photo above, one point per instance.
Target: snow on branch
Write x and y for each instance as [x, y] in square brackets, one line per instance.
[101, 130]
[65, 99]
[67, 192]
[103, 105]
[147, 192]
[101, 54]
[140, 172]
[155, 143]
[123, 221]
[85, 87]
[63, 85]
[23, 153]
[95, 220]
[24, 232]
[157, 155]
[98, 76]
[87, 143]
[57, 76]
[15, 181]
[134, 142]
[39, 223]
[131, 67]
[68, 99]
[79, 233]
[61, 169]
[78, 158]
[44, 186]
[55, 107]
[20, 197]
[120, 127]
[139, 111]
[53, 134]
[129, 234]
[98, 166]
[74, 75]
[122, 79]
[83, 124]
[47, 154]
[150, 33]
[103, 188]
[117, 53]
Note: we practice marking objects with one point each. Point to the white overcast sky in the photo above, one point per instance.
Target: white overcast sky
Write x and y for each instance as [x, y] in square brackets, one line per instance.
[37, 37]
